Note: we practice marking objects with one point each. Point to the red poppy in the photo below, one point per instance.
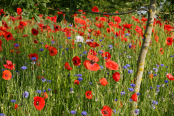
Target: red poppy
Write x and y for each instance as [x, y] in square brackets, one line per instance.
[91, 63]
[106, 56]
[19, 11]
[116, 76]
[76, 61]
[39, 102]
[23, 23]
[138, 30]
[8, 36]
[47, 46]
[34, 31]
[111, 65]
[33, 55]
[1, 11]
[170, 77]
[92, 52]
[159, 22]
[67, 66]
[94, 44]
[35, 41]
[127, 26]
[151, 76]
[88, 94]
[117, 19]
[161, 51]
[156, 38]
[9, 65]
[103, 82]
[53, 51]
[95, 9]
[108, 30]
[106, 111]
[16, 106]
[25, 35]
[45, 95]
[76, 82]
[0, 42]
[169, 41]
[6, 75]
[134, 97]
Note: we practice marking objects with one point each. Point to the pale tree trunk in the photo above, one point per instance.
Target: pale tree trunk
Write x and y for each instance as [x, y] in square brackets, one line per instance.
[144, 48]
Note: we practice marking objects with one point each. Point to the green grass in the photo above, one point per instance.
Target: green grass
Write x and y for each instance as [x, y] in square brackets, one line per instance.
[62, 102]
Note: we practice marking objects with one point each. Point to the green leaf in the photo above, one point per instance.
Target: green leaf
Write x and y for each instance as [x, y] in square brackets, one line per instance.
[15, 1]
[51, 25]
[46, 22]
[67, 18]
[43, 5]
[36, 17]
[44, 1]
[29, 15]
[59, 18]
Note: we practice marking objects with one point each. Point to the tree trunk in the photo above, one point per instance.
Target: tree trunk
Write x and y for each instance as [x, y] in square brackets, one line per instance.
[144, 48]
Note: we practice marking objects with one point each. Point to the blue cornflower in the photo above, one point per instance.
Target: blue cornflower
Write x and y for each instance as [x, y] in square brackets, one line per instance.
[110, 46]
[71, 89]
[52, 42]
[100, 52]
[171, 55]
[66, 48]
[130, 71]
[157, 65]
[166, 81]
[80, 79]
[49, 89]
[127, 34]
[25, 94]
[122, 93]
[2, 69]
[73, 112]
[44, 90]
[85, 52]
[155, 75]
[157, 85]
[137, 111]
[102, 37]
[116, 99]
[101, 67]
[69, 37]
[155, 102]
[43, 79]
[133, 85]
[157, 90]
[100, 40]
[1, 114]
[23, 67]
[130, 45]
[155, 69]
[16, 45]
[138, 93]
[90, 83]
[79, 75]
[38, 91]
[70, 25]
[128, 65]
[60, 46]
[49, 81]
[33, 58]
[108, 73]
[92, 39]
[63, 53]
[131, 89]
[80, 45]
[84, 113]
[162, 64]
[12, 100]
[101, 45]
[41, 49]
[115, 35]
[42, 42]
[151, 87]
[125, 67]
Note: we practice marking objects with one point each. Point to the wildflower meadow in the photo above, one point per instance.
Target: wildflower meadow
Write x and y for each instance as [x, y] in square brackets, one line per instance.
[86, 68]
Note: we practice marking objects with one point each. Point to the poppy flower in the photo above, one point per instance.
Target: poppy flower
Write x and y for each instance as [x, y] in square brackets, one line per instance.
[127, 26]
[67, 66]
[45, 95]
[138, 30]
[53, 51]
[103, 82]
[92, 52]
[156, 38]
[34, 31]
[151, 76]
[106, 56]
[8, 36]
[47, 46]
[91, 63]
[134, 97]
[106, 111]
[117, 19]
[9, 65]
[111, 65]
[33, 56]
[16, 106]
[170, 77]
[95, 9]
[6, 75]
[19, 11]
[25, 35]
[76, 82]
[39, 102]
[116, 76]
[76, 61]
[169, 41]
[94, 44]
[88, 94]
[161, 51]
